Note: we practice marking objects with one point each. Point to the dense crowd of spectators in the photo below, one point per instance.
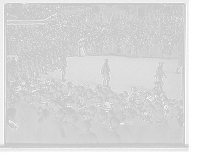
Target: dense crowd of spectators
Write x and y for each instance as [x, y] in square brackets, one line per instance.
[53, 112]
[156, 34]
[35, 11]
[151, 30]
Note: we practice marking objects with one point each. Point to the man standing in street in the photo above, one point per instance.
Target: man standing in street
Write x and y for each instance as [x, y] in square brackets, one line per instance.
[159, 75]
[105, 71]
[62, 65]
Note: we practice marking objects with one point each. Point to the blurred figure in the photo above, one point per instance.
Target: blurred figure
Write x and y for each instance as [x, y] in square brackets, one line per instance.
[105, 72]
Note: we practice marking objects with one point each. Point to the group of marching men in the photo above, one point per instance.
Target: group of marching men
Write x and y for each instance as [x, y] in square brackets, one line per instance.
[69, 103]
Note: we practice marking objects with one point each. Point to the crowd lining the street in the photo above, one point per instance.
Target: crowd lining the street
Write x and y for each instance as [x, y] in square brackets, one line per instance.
[63, 113]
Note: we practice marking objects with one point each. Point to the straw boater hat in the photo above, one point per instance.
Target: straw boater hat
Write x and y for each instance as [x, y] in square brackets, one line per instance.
[107, 105]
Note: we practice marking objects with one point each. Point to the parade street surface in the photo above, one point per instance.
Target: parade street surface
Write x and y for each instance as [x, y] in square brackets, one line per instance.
[125, 73]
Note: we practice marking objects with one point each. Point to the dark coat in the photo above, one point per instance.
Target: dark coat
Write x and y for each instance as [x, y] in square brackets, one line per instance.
[133, 127]
[72, 133]
[97, 127]
[18, 106]
[89, 102]
[87, 137]
[28, 122]
[108, 135]
[142, 133]
[79, 123]
[58, 133]
[105, 69]
[159, 132]
[125, 134]
[176, 130]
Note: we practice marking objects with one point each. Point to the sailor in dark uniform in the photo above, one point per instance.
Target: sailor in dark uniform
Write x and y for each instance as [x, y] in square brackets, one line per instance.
[159, 74]
[105, 71]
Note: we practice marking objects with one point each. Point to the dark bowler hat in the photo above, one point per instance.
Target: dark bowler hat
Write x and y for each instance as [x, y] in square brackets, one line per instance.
[121, 116]
[22, 94]
[72, 119]
[111, 114]
[60, 104]
[86, 125]
[60, 114]
[117, 99]
[93, 110]
[50, 95]
[98, 99]
[69, 101]
[89, 93]
[52, 103]
[60, 93]
[159, 115]
[77, 92]
[11, 92]
[29, 97]
[102, 115]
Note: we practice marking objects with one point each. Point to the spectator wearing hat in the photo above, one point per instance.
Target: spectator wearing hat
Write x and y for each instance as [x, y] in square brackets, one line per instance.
[159, 132]
[57, 128]
[11, 99]
[133, 97]
[132, 120]
[125, 96]
[72, 132]
[176, 126]
[98, 103]
[156, 88]
[50, 96]
[107, 106]
[19, 104]
[38, 98]
[97, 126]
[87, 136]
[76, 95]
[110, 135]
[89, 99]
[124, 132]
[110, 114]
[142, 132]
[59, 94]
[78, 105]
[83, 114]
[28, 120]
[68, 102]
[93, 114]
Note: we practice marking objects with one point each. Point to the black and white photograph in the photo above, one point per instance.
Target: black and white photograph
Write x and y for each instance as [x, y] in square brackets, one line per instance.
[95, 75]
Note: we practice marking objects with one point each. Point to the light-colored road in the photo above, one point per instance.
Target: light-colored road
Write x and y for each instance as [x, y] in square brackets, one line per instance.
[125, 73]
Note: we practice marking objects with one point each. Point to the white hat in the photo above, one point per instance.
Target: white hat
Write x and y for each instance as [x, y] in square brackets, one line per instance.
[107, 105]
